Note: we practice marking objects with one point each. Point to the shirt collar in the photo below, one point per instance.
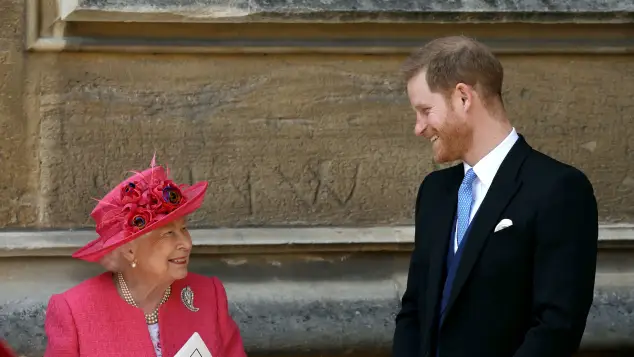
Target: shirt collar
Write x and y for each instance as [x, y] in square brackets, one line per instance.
[488, 166]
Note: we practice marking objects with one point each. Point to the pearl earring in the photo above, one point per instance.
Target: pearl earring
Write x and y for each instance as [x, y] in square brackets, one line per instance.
[133, 264]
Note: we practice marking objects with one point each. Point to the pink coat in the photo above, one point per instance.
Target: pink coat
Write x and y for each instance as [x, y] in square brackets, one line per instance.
[91, 319]
[5, 351]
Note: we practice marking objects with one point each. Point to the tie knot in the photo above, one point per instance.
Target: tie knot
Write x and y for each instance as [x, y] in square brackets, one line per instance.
[469, 177]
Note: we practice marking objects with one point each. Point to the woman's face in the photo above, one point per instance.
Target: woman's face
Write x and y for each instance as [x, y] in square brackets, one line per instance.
[163, 254]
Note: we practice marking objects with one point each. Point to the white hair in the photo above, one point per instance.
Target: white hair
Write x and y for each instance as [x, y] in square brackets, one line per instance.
[114, 260]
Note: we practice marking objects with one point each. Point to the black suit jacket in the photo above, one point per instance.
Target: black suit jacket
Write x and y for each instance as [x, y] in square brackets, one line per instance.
[524, 291]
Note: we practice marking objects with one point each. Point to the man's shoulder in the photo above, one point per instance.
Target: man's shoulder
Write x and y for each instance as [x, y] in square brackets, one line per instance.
[544, 171]
[436, 181]
[546, 179]
[441, 175]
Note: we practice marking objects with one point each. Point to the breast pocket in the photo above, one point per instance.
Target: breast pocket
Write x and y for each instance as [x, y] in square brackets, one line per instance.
[506, 249]
[506, 232]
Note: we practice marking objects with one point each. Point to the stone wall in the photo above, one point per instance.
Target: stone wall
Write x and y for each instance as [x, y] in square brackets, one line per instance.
[283, 140]
[19, 140]
[301, 141]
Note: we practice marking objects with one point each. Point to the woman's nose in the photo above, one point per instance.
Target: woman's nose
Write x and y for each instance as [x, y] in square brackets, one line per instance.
[185, 241]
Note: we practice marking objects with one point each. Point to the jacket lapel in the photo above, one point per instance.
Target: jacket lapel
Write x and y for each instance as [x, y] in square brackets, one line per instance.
[439, 232]
[503, 188]
[126, 321]
[178, 323]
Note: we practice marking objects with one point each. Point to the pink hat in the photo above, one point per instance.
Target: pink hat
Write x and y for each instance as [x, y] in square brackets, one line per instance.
[138, 205]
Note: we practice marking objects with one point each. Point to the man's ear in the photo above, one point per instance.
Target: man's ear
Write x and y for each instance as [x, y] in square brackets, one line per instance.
[463, 97]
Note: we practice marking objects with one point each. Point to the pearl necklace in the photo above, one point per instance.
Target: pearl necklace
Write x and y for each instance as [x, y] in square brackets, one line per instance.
[150, 318]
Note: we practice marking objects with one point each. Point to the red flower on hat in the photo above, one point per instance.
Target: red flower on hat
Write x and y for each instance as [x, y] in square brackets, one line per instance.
[137, 217]
[131, 192]
[168, 194]
[147, 202]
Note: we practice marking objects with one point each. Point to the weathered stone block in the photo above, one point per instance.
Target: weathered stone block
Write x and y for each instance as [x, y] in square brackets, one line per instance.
[304, 140]
[572, 108]
[281, 141]
[17, 191]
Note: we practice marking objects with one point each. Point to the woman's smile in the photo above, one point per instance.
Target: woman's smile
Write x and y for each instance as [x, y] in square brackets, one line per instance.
[179, 261]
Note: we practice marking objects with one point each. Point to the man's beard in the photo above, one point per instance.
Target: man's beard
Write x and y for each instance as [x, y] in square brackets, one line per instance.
[454, 139]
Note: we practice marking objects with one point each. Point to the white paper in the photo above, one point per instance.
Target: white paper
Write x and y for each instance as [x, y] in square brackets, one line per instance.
[194, 347]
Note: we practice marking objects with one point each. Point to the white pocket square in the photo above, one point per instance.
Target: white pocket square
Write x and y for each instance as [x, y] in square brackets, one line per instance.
[505, 223]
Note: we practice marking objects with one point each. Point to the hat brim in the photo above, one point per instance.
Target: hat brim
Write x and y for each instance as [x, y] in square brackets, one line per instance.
[97, 249]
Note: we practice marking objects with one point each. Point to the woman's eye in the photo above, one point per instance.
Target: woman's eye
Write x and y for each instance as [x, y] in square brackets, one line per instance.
[184, 229]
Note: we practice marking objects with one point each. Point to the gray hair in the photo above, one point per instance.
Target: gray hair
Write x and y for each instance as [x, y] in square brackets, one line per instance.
[114, 261]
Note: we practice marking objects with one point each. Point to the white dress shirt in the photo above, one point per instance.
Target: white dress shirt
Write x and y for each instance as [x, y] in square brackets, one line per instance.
[485, 171]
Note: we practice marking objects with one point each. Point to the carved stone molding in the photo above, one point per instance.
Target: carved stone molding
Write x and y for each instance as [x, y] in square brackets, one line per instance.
[335, 11]
[318, 26]
[305, 240]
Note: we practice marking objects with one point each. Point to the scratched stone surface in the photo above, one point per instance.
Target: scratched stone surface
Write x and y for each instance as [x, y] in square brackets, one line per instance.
[304, 140]
[281, 141]
[572, 109]
[17, 192]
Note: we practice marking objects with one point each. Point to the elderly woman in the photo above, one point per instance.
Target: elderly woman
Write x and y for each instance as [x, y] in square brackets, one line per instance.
[147, 304]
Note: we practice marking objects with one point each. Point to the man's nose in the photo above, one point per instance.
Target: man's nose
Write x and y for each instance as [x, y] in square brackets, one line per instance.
[419, 128]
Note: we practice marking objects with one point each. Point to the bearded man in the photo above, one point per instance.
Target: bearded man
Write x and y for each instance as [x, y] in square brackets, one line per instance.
[506, 240]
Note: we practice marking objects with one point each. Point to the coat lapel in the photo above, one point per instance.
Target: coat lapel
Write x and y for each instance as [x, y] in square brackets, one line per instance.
[126, 321]
[178, 323]
[439, 231]
[503, 188]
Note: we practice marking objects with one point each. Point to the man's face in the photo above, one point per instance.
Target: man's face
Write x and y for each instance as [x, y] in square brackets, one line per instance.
[440, 120]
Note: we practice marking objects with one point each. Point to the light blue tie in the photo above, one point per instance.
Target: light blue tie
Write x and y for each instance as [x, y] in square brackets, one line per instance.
[465, 201]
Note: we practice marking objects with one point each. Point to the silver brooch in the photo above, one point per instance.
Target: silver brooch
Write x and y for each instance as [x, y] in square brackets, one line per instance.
[187, 297]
